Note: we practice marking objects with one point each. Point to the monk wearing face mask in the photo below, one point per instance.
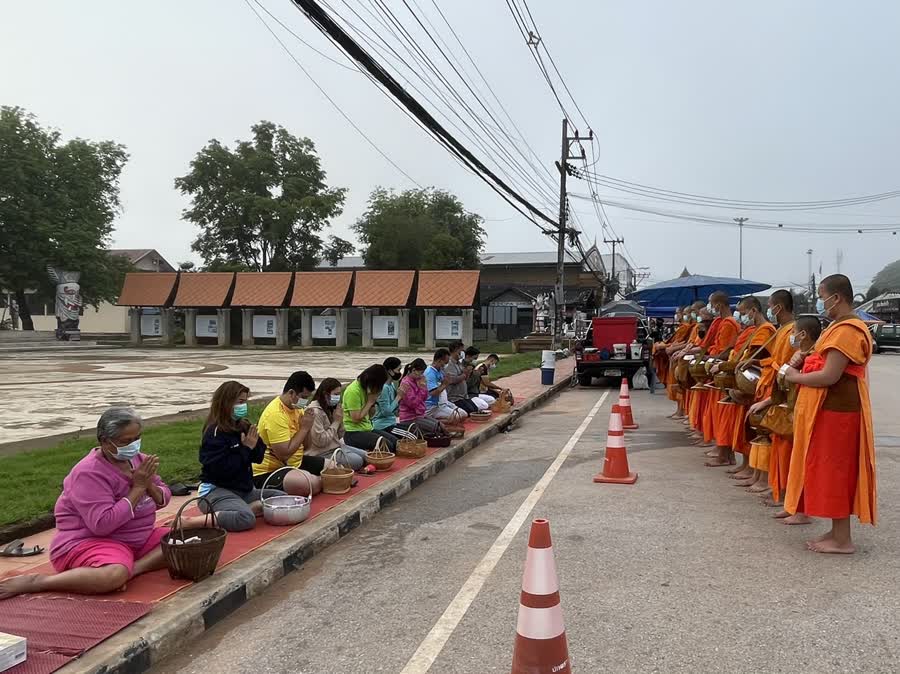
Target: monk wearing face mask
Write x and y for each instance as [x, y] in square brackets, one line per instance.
[677, 351]
[832, 472]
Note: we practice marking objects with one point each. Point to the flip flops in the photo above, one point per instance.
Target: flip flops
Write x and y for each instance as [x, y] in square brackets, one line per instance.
[16, 548]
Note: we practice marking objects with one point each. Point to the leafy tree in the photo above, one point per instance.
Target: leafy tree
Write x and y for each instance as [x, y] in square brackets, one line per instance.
[888, 278]
[336, 250]
[262, 205]
[873, 292]
[419, 229]
[187, 266]
[57, 204]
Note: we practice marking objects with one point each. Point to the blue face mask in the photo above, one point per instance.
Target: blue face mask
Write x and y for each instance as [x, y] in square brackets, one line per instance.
[699, 319]
[239, 411]
[770, 314]
[820, 306]
[128, 452]
[335, 400]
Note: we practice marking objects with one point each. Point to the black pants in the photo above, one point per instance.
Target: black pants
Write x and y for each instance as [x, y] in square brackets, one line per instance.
[366, 439]
[465, 405]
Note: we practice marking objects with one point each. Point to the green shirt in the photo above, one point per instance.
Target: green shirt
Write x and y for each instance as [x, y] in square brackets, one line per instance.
[353, 400]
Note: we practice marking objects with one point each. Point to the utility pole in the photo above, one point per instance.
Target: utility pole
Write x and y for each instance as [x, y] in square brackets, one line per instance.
[615, 279]
[809, 275]
[740, 223]
[559, 299]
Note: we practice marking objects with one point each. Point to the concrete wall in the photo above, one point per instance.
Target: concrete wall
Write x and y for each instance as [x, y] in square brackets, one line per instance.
[108, 318]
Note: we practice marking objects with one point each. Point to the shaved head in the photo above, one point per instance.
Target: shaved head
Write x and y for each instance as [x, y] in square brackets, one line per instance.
[699, 304]
[782, 298]
[718, 297]
[750, 302]
[838, 284]
[810, 325]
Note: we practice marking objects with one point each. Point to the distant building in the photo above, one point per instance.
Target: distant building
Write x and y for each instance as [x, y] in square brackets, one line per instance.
[886, 307]
[107, 318]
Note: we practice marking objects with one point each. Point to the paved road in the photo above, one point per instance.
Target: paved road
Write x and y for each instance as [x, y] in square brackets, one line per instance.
[680, 573]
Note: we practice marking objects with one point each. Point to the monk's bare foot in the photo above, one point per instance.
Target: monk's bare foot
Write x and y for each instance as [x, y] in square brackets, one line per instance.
[11, 587]
[711, 454]
[798, 519]
[781, 515]
[820, 539]
[748, 482]
[715, 463]
[770, 502]
[745, 473]
[832, 547]
[735, 470]
[760, 488]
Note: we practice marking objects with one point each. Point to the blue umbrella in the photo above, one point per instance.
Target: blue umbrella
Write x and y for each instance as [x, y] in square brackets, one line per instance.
[686, 289]
[867, 317]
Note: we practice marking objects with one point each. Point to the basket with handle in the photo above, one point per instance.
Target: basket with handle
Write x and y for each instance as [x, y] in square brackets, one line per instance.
[455, 424]
[481, 417]
[411, 444]
[286, 510]
[503, 403]
[191, 559]
[337, 479]
[381, 457]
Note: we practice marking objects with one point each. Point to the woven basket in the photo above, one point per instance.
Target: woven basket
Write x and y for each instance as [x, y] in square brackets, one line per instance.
[381, 457]
[337, 479]
[747, 378]
[198, 560]
[503, 403]
[438, 440]
[412, 448]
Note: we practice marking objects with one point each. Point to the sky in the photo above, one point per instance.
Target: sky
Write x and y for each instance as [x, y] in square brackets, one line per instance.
[770, 100]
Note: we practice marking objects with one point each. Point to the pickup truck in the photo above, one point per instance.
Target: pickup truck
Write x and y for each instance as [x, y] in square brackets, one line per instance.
[594, 353]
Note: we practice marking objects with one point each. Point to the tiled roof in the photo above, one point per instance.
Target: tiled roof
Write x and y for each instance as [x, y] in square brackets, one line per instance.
[321, 288]
[383, 288]
[447, 288]
[261, 289]
[147, 289]
[203, 289]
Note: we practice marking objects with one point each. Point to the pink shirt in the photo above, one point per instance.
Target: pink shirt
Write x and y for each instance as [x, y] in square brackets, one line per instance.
[93, 504]
[412, 404]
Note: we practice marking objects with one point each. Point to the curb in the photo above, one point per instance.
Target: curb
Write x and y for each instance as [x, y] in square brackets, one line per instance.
[190, 612]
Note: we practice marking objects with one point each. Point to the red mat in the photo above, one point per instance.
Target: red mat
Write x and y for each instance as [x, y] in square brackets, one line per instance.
[60, 628]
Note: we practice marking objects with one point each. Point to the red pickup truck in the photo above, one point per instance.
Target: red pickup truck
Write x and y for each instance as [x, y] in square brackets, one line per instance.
[595, 354]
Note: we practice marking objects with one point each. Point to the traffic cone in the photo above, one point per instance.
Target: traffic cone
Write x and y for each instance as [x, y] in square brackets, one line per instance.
[625, 406]
[615, 463]
[541, 646]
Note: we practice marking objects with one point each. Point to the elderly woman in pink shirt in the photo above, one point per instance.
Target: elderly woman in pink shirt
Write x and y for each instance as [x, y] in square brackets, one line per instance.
[105, 516]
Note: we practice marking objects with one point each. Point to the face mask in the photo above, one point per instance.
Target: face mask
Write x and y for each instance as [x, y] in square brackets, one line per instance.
[127, 452]
[737, 316]
[745, 319]
[820, 305]
[771, 315]
[395, 376]
[301, 403]
[335, 400]
[699, 319]
[239, 411]
[794, 341]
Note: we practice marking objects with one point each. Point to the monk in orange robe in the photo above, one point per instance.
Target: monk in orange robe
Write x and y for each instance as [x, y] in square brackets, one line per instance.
[678, 350]
[661, 355]
[727, 415]
[719, 342]
[781, 312]
[832, 471]
[705, 333]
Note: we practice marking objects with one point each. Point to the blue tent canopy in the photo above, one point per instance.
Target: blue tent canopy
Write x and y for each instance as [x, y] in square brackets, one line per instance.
[686, 289]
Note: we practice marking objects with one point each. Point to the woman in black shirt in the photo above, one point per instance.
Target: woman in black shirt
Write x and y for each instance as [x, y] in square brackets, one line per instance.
[229, 447]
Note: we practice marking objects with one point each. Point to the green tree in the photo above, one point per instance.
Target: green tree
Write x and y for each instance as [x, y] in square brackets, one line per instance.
[888, 278]
[419, 229]
[57, 205]
[262, 205]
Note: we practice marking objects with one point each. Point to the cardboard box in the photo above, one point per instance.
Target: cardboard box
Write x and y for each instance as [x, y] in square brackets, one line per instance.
[12, 651]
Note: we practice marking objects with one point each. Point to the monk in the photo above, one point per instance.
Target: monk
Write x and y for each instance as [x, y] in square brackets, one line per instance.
[697, 401]
[678, 350]
[661, 354]
[806, 331]
[727, 415]
[832, 473]
[780, 311]
[719, 341]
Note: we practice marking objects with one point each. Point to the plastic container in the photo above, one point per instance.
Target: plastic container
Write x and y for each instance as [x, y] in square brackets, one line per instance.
[548, 367]
[636, 348]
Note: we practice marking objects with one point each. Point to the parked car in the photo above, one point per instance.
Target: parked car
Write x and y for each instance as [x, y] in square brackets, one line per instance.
[886, 336]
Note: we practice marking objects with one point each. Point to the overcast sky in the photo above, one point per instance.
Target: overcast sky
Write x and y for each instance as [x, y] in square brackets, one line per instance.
[769, 100]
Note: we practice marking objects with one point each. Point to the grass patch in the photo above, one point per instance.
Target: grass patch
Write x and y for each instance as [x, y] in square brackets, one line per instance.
[33, 480]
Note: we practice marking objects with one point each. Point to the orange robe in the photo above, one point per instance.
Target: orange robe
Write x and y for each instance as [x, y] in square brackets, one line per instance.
[726, 417]
[781, 352]
[694, 340]
[723, 338]
[669, 378]
[822, 464]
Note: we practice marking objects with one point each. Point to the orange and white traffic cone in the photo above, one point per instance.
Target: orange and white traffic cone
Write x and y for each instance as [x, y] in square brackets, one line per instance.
[615, 463]
[625, 406]
[541, 645]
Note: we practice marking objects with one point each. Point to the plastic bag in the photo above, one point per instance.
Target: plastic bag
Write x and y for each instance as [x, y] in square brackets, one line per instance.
[639, 381]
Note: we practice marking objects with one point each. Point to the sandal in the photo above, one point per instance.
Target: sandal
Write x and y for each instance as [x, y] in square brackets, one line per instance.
[16, 548]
